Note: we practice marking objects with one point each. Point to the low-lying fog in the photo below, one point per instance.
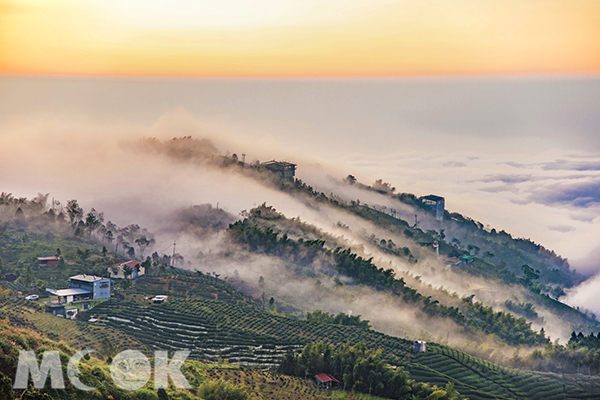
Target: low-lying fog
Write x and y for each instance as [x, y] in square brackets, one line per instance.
[499, 154]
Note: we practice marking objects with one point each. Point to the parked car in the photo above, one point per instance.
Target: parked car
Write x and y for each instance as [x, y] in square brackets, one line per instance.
[32, 297]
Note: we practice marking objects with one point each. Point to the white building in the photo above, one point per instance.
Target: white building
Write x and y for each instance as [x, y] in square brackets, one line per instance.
[118, 270]
[83, 287]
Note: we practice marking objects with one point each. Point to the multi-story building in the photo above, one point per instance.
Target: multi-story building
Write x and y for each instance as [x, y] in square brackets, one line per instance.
[83, 287]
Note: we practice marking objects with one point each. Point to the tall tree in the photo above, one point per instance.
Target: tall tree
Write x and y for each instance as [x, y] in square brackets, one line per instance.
[93, 221]
[109, 237]
[74, 212]
[83, 255]
[127, 270]
[143, 242]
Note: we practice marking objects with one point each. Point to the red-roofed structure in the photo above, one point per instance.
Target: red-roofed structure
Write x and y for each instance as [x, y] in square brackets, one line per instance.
[44, 261]
[118, 270]
[327, 381]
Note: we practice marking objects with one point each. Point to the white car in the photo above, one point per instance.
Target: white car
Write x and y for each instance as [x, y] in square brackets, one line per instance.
[32, 297]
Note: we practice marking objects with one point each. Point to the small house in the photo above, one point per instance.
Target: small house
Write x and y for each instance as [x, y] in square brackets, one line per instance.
[467, 259]
[326, 381]
[420, 346]
[47, 261]
[285, 170]
[118, 270]
[57, 309]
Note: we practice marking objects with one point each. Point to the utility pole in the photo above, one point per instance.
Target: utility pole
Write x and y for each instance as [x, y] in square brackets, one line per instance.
[416, 221]
[244, 158]
[173, 258]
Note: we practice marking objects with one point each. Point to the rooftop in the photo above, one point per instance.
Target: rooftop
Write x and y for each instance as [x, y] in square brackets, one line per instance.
[67, 292]
[131, 264]
[278, 163]
[324, 378]
[86, 278]
[53, 258]
[432, 197]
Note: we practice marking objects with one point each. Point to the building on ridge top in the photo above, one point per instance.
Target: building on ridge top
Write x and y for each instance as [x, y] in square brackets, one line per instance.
[285, 170]
[436, 203]
[420, 346]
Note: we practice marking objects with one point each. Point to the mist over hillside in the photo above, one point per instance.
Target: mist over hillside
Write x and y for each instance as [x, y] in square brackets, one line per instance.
[187, 191]
[124, 167]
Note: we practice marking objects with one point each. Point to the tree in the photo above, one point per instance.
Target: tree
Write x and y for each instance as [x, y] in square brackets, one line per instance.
[147, 265]
[557, 292]
[127, 270]
[472, 249]
[142, 243]
[74, 212]
[93, 220]
[381, 186]
[28, 275]
[350, 179]
[83, 255]
[109, 237]
[125, 284]
[162, 394]
[104, 251]
[6, 390]
[529, 275]
[1, 266]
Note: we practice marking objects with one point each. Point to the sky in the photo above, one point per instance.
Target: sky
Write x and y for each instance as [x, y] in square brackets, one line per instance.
[292, 38]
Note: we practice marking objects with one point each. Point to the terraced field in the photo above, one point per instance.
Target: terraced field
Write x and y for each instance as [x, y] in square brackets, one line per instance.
[166, 327]
[82, 335]
[244, 335]
[219, 323]
[442, 364]
[280, 387]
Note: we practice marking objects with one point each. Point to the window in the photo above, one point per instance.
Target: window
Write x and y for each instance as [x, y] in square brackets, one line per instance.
[103, 285]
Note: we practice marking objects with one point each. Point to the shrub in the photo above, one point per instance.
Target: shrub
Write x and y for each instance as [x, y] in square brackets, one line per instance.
[221, 389]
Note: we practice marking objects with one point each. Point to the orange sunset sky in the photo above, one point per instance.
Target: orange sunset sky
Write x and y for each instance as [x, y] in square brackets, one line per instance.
[287, 38]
